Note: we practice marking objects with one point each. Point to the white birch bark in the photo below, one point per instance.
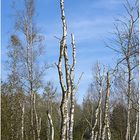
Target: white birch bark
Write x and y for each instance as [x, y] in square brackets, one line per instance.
[136, 127]
[51, 126]
[72, 96]
[100, 124]
[63, 53]
[106, 129]
[128, 93]
[96, 116]
[98, 112]
[68, 90]
[96, 135]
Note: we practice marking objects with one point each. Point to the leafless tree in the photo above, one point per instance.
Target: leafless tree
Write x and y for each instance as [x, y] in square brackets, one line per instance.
[127, 43]
[30, 45]
[68, 90]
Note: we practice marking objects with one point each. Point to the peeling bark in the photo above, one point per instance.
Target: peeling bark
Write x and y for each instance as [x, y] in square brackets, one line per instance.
[63, 53]
[72, 96]
[68, 90]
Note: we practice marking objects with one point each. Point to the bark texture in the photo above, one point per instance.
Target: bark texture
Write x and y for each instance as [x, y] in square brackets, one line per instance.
[72, 96]
[106, 130]
[136, 127]
[51, 126]
[67, 86]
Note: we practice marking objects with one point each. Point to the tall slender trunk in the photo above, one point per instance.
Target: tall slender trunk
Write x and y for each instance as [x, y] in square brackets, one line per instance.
[72, 95]
[68, 122]
[96, 135]
[96, 116]
[136, 127]
[95, 124]
[129, 96]
[33, 135]
[64, 112]
[98, 111]
[106, 128]
[100, 124]
[51, 126]
[37, 124]
[65, 92]
[22, 122]
[68, 89]
[38, 127]
[71, 124]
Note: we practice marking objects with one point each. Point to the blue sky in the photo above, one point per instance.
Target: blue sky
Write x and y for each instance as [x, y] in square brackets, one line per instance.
[91, 21]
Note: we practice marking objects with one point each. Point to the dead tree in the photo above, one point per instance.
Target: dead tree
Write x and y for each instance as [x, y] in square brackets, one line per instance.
[64, 102]
[106, 129]
[67, 87]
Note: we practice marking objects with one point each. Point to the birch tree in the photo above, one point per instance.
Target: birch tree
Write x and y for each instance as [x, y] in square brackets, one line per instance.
[67, 87]
[51, 126]
[127, 47]
[30, 45]
[99, 80]
[49, 95]
[15, 89]
[106, 128]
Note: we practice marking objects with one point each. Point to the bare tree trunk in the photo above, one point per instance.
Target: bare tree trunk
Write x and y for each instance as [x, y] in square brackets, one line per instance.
[65, 92]
[136, 127]
[106, 128]
[98, 112]
[68, 90]
[128, 121]
[32, 116]
[129, 94]
[96, 135]
[51, 126]
[72, 96]
[71, 124]
[100, 124]
[96, 116]
[68, 122]
[22, 122]
[64, 119]
[95, 124]
[37, 127]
